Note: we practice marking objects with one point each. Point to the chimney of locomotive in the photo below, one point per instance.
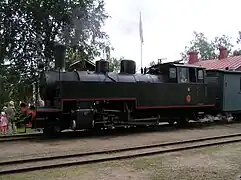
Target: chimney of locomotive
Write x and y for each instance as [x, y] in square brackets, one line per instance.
[193, 57]
[59, 56]
[222, 53]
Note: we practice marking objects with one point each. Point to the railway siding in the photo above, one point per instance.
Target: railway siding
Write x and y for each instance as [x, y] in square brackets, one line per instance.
[37, 149]
[115, 154]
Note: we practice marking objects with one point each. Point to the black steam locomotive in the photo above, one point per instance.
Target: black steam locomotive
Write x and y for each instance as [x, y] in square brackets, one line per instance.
[77, 100]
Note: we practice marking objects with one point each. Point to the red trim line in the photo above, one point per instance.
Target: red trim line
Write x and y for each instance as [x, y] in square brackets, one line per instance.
[139, 107]
[48, 110]
[101, 99]
[168, 107]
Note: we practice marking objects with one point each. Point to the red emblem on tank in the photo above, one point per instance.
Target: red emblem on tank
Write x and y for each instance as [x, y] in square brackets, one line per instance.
[188, 98]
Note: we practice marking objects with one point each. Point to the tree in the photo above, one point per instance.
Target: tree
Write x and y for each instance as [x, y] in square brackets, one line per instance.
[237, 52]
[29, 30]
[114, 65]
[224, 41]
[207, 49]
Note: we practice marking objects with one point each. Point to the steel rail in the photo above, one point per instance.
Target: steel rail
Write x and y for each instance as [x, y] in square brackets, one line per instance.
[28, 136]
[19, 137]
[9, 167]
[194, 124]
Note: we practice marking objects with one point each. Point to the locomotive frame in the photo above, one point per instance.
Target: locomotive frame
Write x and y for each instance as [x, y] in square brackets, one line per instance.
[92, 100]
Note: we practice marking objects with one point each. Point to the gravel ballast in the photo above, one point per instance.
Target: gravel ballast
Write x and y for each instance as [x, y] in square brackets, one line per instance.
[13, 150]
[219, 162]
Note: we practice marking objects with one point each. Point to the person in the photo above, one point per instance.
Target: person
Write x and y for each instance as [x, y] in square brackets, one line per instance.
[24, 110]
[29, 114]
[23, 107]
[4, 108]
[10, 112]
[183, 77]
[4, 123]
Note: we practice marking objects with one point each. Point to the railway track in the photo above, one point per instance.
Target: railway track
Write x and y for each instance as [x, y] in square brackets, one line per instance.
[19, 137]
[32, 164]
[83, 134]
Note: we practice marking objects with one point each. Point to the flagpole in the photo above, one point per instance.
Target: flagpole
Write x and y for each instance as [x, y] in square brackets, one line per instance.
[141, 41]
[141, 54]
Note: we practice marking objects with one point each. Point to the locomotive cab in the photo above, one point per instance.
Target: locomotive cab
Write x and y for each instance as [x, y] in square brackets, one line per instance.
[189, 74]
[179, 73]
[186, 81]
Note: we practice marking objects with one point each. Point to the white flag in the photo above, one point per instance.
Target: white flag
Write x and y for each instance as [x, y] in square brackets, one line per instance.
[141, 30]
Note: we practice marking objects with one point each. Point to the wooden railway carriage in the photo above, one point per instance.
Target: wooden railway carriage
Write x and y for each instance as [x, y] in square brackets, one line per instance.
[227, 86]
[84, 100]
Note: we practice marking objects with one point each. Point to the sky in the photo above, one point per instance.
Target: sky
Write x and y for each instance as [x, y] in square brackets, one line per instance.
[168, 25]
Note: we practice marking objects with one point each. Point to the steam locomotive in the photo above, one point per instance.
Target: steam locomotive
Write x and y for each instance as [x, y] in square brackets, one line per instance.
[169, 92]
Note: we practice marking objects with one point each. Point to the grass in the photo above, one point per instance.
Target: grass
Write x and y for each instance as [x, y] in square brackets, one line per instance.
[22, 130]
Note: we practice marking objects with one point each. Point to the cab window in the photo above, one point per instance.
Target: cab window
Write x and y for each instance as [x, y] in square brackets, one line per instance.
[200, 76]
[183, 75]
[192, 75]
[172, 73]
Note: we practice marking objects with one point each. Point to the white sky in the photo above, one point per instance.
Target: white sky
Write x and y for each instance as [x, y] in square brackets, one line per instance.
[168, 25]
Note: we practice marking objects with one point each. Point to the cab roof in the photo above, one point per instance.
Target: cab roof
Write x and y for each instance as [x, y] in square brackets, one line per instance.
[173, 64]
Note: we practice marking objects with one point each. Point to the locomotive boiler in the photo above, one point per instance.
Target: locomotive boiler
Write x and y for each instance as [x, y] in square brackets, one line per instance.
[101, 99]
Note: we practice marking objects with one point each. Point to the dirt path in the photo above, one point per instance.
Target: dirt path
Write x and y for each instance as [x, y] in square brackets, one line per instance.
[18, 149]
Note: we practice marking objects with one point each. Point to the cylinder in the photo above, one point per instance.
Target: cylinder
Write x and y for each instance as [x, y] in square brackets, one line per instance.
[128, 67]
[101, 66]
[59, 56]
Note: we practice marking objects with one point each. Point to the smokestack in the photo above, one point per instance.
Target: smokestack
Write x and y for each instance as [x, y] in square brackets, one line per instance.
[59, 56]
[222, 53]
[193, 57]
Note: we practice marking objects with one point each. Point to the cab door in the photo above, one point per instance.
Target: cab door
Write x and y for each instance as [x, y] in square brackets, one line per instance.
[188, 85]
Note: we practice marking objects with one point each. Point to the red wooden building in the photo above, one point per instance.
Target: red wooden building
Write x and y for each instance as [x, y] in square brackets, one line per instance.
[222, 62]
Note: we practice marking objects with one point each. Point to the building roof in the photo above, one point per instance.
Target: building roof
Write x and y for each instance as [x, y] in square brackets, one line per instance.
[233, 62]
[78, 65]
[224, 71]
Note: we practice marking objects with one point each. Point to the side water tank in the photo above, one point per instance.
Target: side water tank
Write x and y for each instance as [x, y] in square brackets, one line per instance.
[101, 66]
[128, 67]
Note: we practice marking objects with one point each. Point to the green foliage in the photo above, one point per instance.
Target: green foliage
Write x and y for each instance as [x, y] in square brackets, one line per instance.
[207, 49]
[224, 41]
[115, 64]
[237, 52]
[29, 30]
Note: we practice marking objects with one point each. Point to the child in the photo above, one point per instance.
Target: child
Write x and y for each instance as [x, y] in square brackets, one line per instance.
[4, 123]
